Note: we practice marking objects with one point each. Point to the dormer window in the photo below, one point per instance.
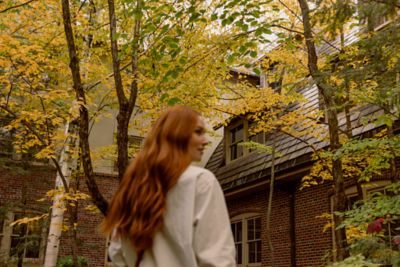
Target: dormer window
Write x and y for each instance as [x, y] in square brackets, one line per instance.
[237, 132]
[236, 135]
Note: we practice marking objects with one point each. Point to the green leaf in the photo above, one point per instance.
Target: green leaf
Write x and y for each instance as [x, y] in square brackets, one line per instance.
[163, 97]
[173, 101]
[257, 71]
[231, 59]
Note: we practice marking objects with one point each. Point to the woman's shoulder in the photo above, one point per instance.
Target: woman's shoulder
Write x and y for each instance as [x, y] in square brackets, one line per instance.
[203, 178]
[196, 171]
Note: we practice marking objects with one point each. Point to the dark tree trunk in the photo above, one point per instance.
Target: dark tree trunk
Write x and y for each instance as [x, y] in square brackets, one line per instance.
[126, 105]
[327, 94]
[97, 197]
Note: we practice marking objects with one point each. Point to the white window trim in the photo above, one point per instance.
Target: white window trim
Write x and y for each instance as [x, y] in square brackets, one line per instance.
[6, 234]
[245, 247]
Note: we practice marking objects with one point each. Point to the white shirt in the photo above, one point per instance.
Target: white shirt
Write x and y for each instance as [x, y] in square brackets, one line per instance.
[196, 231]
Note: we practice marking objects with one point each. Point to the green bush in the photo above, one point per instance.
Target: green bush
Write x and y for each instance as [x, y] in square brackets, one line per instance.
[67, 261]
[354, 261]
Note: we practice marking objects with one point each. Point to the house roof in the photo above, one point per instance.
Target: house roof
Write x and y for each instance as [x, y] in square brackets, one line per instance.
[292, 152]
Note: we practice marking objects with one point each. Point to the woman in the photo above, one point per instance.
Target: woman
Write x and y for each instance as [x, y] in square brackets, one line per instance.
[167, 213]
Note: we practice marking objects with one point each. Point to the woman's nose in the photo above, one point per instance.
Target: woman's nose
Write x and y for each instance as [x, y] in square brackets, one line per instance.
[206, 142]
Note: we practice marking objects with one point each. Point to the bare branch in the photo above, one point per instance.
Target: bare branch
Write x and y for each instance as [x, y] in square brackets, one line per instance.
[16, 6]
[287, 29]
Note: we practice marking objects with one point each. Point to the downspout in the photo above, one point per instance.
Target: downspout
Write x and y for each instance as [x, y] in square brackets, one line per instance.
[292, 224]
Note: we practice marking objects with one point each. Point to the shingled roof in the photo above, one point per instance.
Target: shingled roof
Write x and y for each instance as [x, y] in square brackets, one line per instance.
[293, 152]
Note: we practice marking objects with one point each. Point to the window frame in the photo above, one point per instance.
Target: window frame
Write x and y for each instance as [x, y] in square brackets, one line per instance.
[228, 142]
[246, 137]
[244, 219]
[6, 235]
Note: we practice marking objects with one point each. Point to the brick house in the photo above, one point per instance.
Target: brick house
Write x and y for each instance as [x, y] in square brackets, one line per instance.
[296, 231]
[297, 234]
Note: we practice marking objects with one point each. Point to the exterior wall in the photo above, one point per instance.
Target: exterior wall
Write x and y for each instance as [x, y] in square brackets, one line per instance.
[91, 243]
[22, 188]
[312, 245]
[257, 202]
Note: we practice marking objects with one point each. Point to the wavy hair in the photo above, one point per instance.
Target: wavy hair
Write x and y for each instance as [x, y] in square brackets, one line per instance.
[137, 208]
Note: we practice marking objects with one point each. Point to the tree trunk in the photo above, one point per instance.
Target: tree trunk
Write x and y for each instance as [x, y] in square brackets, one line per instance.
[97, 197]
[57, 211]
[126, 105]
[327, 94]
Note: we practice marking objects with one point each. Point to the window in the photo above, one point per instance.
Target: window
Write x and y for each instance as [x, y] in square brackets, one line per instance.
[26, 240]
[246, 231]
[236, 135]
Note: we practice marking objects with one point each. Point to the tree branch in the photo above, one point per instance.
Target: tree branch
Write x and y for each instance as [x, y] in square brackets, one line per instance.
[122, 100]
[97, 198]
[16, 6]
[32, 130]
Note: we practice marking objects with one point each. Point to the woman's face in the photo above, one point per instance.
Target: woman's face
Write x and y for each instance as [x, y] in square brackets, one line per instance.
[198, 141]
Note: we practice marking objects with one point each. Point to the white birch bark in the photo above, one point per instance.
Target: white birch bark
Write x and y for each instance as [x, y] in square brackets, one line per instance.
[58, 207]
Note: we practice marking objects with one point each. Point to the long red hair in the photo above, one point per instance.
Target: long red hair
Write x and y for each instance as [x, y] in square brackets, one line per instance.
[137, 208]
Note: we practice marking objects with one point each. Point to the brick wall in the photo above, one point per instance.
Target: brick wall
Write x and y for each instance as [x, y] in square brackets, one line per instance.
[91, 243]
[311, 243]
[20, 188]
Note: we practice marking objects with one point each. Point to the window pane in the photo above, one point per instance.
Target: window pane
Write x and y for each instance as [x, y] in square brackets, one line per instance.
[233, 152]
[32, 247]
[15, 245]
[250, 229]
[239, 133]
[252, 252]
[26, 238]
[233, 136]
[239, 253]
[258, 253]
[33, 240]
[239, 231]
[257, 228]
